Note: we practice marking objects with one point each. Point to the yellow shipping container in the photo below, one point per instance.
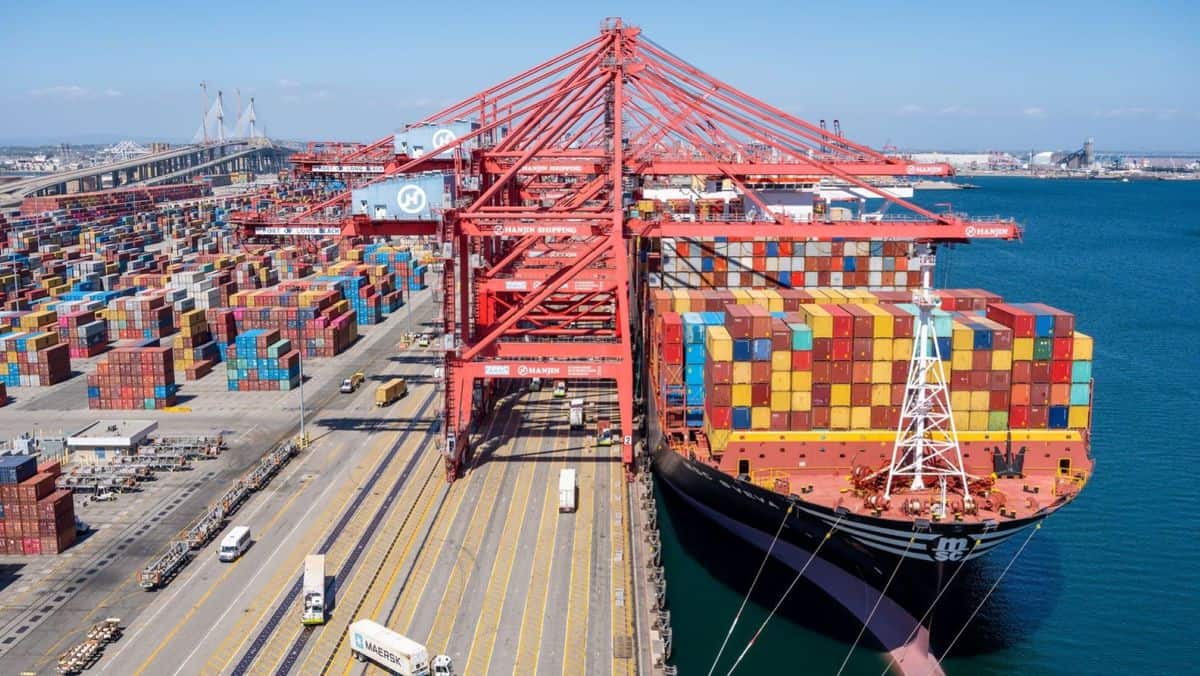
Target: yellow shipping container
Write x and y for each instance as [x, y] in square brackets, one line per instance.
[961, 360]
[960, 400]
[781, 400]
[742, 372]
[781, 381]
[760, 418]
[962, 420]
[801, 401]
[881, 395]
[902, 349]
[1022, 349]
[978, 420]
[774, 300]
[835, 295]
[1082, 347]
[1078, 416]
[883, 323]
[740, 395]
[839, 394]
[881, 350]
[820, 321]
[881, 372]
[781, 360]
[839, 418]
[801, 381]
[718, 343]
[1001, 360]
[979, 402]
[742, 296]
[860, 417]
[962, 337]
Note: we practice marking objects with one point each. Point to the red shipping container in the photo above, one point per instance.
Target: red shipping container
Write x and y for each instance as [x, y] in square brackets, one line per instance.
[860, 372]
[899, 372]
[820, 395]
[860, 395]
[820, 418]
[843, 349]
[1060, 394]
[1038, 417]
[720, 395]
[1063, 349]
[52, 468]
[802, 360]
[1020, 321]
[802, 420]
[673, 353]
[1018, 417]
[721, 371]
[32, 546]
[841, 372]
[780, 420]
[721, 417]
[980, 380]
[822, 349]
[843, 321]
[781, 336]
[1022, 371]
[863, 322]
[738, 321]
[863, 349]
[998, 400]
[879, 416]
[999, 381]
[672, 328]
[1040, 372]
[1039, 395]
[1060, 372]
[36, 487]
[1020, 394]
[822, 372]
[760, 394]
[981, 360]
[760, 372]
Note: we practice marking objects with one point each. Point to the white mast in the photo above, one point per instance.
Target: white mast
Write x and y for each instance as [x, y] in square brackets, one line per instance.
[926, 439]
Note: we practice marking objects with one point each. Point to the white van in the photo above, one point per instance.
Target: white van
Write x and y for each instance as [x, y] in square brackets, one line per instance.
[235, 544]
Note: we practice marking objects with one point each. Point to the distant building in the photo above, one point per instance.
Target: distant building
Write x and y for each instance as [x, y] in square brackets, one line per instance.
[106, 441]
[970, 161]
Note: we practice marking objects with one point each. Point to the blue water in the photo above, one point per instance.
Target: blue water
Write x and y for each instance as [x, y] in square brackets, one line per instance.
[1111, 584]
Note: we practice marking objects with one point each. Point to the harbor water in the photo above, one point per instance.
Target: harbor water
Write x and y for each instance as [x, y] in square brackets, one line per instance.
[1110, 584]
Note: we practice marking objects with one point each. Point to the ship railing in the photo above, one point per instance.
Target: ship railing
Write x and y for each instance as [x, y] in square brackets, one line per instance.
[765, 478]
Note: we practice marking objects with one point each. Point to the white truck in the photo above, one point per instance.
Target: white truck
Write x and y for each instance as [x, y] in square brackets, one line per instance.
[404, 656]
[314, 589]
[566, 490]
[575, 413]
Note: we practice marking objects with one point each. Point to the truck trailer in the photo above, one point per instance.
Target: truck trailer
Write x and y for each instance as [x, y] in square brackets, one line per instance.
[402, 655]
[314, 589]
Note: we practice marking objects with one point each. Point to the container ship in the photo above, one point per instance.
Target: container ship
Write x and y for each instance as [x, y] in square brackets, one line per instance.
[824, 392]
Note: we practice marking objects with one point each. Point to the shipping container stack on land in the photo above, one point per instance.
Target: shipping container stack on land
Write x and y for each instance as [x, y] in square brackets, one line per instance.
[33, 358]
[838, 359]
[133, 378]
[313, 315]
[141, 317]
[260, 360]
[409, 272]
[34, 517]
[84, 333]
[195, 352]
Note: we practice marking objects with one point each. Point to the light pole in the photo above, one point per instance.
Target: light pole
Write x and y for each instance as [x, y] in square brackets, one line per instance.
[300, 363]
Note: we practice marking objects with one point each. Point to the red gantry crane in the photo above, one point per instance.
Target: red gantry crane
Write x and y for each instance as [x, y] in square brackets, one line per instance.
[538, 189]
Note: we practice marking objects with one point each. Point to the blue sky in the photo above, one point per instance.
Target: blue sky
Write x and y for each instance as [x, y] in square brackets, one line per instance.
[947, 75]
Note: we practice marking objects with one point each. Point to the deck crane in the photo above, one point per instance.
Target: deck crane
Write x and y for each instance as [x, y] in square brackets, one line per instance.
[533, 188]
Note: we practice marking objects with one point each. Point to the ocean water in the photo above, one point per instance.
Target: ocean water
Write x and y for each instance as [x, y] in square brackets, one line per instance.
[1110, 584]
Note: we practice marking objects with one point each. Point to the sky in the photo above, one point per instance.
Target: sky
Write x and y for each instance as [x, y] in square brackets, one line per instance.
[960, 75]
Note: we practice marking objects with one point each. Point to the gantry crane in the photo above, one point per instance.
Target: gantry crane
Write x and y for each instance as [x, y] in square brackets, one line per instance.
[531, 186]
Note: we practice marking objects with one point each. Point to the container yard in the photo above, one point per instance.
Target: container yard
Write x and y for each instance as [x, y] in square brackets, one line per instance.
[452, 365]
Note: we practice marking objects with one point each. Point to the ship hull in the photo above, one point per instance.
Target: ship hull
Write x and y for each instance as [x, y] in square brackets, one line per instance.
[869, 548]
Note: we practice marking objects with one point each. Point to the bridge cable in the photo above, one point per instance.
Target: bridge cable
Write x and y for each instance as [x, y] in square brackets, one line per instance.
[746, 599]
[786, 592]
[990, 590]
[878, 600]
[937, 598]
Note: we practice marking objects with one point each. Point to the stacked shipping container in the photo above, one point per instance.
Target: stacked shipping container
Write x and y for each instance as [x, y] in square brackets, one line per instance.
[133, 378]
[195, 352]
[260, 360]
[84, 334]
[140, 317]
[34, 517]
[32, 359]
[791, 360]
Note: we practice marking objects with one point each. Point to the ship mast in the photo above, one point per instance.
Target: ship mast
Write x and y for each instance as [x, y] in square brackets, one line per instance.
[926, 446]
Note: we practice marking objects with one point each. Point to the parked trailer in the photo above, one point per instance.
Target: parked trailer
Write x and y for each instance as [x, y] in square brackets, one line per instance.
[314, 589]
[84, 655]
[165, 566]
[404, 656]
[566, 490]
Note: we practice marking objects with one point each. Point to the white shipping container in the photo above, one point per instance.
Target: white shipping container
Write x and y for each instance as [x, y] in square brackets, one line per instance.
[566, 490]
[372, 641]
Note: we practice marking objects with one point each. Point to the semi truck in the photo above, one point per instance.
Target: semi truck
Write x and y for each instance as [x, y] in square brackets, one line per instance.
[402, 655]
[575, 413]
[314, 589]
[353, 382]
[566, 490]
[391, 391]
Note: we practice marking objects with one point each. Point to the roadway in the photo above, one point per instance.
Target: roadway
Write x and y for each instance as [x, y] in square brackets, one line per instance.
[485, 570]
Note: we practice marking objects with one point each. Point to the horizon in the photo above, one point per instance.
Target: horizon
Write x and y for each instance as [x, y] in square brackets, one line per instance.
[958, 84]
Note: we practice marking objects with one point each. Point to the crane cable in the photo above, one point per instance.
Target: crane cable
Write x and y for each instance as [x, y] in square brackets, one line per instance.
[878, 600]
[745, 600]
[786, 592]
[990, 590]
[937, 598]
